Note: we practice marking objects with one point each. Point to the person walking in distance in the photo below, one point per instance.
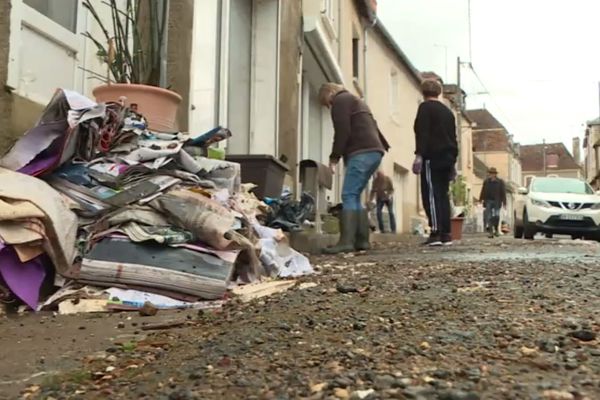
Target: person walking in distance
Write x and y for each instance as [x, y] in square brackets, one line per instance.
[493, 197]
[383, 193]
[359, 142]
[435, 160]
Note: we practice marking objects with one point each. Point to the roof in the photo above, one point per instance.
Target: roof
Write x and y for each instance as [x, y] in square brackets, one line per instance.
[488, 133]
[451, 93]
[594, 122]
[532, 157]
[431, 76]
[484, 119]
[479, 168]
[493, 140]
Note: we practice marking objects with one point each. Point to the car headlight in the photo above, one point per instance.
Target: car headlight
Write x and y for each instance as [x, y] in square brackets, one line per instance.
[540, 203]
[596, 206]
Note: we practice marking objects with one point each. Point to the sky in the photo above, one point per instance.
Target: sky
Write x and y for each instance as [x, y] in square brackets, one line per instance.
[539, 60]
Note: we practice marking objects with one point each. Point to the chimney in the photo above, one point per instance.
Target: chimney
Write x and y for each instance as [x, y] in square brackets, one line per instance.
[577, 150]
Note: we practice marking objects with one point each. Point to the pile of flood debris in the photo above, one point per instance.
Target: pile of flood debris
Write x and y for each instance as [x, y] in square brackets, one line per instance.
[98, 212]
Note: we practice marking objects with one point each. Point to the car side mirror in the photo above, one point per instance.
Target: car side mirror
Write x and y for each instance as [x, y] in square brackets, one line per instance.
[523, 191]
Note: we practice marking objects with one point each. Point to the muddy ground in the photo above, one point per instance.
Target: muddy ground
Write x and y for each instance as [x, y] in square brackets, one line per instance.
[481, 320]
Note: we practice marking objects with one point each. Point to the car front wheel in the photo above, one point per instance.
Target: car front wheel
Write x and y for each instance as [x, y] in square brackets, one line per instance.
[517, 229]
[528, 229]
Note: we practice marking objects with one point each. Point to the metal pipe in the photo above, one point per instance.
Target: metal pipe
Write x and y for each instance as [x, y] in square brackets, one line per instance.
[365, 58]
[164, 44]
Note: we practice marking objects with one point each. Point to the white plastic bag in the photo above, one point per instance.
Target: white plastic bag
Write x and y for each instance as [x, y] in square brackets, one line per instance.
[282, 260]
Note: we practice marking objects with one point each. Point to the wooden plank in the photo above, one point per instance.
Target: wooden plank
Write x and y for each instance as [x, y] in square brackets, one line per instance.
[254, 291]
[68, 307]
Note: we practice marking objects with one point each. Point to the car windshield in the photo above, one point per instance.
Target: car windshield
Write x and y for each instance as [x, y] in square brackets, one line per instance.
[561, 185]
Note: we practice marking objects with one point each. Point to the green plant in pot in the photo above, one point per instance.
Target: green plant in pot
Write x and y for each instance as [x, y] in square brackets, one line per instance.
[459, 204]
[458, 191]
[133, 46]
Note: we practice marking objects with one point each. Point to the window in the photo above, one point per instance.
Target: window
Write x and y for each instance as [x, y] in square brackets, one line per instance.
[63, 12]
[394, 93]
[561, 185]
[355, 57]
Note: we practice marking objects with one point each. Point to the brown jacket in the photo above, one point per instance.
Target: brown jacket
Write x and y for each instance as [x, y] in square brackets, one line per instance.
[355, 128]
[382, 188]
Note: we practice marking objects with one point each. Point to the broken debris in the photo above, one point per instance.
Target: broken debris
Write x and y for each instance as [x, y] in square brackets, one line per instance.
[94, 196]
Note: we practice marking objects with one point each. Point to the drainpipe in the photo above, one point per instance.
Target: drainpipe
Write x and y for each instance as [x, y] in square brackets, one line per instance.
[365, 71]
[163, 45]
[365, 51]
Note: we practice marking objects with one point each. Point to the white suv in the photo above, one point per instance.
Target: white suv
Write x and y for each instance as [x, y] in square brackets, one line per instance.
[564, 206]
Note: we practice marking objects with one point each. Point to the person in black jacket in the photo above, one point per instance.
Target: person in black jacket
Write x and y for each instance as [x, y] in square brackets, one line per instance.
[436, 153]
[493, 197]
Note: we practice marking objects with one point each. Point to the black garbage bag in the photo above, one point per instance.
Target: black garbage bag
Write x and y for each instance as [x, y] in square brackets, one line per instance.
[288, 214]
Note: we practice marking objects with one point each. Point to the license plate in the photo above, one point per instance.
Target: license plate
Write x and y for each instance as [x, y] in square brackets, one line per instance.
[572, 217]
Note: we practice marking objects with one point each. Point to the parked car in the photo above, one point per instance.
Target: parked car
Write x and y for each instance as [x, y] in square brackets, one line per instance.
[565, 206]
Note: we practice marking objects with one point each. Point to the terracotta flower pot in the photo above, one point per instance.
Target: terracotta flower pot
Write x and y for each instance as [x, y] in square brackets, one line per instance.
[159, 106]
[456, 228]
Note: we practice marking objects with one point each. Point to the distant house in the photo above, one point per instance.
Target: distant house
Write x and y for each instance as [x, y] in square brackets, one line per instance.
[493, 146]
[550, 159]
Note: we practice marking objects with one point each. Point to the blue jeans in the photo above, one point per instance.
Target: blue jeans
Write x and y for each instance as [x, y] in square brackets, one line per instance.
[492, 214]
[359, 169]
[390, 206]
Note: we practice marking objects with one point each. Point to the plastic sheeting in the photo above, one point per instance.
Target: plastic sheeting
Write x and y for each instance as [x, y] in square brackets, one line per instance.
[283, 261]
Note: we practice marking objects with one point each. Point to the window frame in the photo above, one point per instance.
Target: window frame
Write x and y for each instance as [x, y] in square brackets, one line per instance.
[23, 15]
[77, 11]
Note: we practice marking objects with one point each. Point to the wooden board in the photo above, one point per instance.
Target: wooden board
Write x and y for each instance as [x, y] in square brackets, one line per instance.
[257, 290]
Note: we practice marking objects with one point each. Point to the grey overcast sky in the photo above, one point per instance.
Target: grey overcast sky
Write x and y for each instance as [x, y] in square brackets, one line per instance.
[539, 59]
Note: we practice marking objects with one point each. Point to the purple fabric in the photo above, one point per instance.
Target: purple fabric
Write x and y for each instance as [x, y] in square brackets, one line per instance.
[45, 160]
[23, 279]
